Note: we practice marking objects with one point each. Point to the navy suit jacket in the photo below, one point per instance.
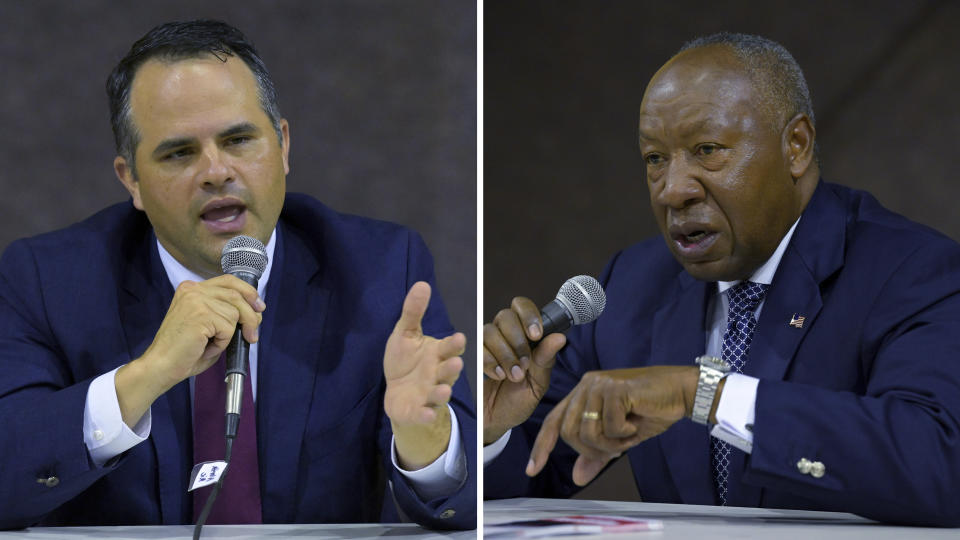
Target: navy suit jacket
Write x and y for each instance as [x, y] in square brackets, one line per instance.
[79, 302]
[869, 386]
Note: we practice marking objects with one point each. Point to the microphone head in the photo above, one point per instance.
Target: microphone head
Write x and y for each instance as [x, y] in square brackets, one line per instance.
[583, 297]
[244, 254]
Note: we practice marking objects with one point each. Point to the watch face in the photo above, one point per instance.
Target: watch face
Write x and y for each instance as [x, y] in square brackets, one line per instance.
[713, 362]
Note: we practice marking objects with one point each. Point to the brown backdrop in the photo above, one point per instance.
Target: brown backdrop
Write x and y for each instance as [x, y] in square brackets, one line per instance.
[564, 184]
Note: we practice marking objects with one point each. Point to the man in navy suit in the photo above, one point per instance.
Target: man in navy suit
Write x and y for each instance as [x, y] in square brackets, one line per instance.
[104, 325]
[826, 329]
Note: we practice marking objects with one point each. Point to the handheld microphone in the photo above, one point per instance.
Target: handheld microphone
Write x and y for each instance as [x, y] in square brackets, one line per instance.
[580, 300]
[245, 258]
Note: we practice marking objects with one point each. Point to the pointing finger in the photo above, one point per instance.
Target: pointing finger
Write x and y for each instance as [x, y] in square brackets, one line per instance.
[546, 438]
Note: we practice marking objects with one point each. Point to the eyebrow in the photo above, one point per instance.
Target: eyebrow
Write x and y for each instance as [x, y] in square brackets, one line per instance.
[178, 142]
[244, 127]
[685, 129]
[703, 124]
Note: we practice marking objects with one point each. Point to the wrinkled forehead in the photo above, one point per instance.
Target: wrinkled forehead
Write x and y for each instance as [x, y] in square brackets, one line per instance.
[698, 87]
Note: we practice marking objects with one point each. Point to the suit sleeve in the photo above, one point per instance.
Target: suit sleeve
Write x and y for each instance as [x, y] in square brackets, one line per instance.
[45, 461]
[892, 452]
[459, 509]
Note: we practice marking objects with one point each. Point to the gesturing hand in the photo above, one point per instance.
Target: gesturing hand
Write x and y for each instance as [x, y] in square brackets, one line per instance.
[420, 372]
[517, 376]
[611, 411]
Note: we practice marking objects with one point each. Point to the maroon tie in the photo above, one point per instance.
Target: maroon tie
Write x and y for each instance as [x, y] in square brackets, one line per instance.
[239, 498]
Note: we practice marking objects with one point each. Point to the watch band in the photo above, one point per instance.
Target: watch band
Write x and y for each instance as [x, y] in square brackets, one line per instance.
[712, 369]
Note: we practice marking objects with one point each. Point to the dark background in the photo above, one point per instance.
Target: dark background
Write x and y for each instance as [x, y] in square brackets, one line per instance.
[381, 98]
[564, 184]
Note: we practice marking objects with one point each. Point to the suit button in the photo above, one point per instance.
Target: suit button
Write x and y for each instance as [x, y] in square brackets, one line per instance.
[804, 466]
[448, 513]
[49, 482]
[817, 469]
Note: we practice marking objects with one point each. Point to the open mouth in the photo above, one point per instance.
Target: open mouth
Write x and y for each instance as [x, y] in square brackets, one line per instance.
[693, 238]
[224, 214]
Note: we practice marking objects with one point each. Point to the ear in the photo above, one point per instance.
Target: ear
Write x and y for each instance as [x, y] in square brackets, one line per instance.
[798, 144]
[285, 144]
[128, 179]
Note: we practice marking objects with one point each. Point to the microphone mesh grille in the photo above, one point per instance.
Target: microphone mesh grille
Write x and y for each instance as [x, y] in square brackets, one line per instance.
[585, 296]
[244, 254]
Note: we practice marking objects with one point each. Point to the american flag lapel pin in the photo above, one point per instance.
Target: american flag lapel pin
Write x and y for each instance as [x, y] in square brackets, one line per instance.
[797, 321]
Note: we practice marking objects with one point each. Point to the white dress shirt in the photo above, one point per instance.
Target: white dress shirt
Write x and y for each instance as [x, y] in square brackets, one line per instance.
[736, 409]
[107, 436]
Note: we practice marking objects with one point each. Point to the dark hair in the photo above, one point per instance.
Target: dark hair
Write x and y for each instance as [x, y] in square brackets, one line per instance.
[775, 74]
[181, 41]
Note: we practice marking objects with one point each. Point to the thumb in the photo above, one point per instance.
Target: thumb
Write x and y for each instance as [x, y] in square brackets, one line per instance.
[414, 306]
[544, 356]
[587, 468]
[546, 352]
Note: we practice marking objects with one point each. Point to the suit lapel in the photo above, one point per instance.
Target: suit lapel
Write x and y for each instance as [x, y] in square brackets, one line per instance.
[145, 298]
[290, 342]
[795, 292]
[678, 338]
[814, 254]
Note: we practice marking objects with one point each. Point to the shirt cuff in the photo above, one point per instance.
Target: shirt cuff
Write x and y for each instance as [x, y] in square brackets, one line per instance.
[736, 411]
[104, 432]
[442, 477]
[492, 450]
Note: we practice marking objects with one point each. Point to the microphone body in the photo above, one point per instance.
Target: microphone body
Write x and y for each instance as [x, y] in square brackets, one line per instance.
[237, 357]
[245, 258]
[555, 317]
[580, 300]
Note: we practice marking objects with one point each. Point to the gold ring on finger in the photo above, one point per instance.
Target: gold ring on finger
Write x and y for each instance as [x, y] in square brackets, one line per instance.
[591, 415]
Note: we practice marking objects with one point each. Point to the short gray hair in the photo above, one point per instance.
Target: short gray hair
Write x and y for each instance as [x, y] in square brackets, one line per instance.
[775, 74]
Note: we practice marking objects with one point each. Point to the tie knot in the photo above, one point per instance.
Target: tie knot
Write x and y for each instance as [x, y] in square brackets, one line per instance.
[746, 296]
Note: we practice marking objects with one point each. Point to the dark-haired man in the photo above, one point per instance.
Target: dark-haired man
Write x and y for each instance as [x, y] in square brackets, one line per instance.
[824, 327]
[101, 356]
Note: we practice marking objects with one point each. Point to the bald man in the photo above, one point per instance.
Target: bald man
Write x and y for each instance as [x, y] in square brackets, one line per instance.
[788, 343]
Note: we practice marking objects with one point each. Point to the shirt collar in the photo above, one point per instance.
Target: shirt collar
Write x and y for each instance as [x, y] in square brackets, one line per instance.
[765, 273]
[178, 273]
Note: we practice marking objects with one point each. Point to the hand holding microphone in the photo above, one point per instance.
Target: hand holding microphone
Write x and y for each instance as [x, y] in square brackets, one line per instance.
[202, 320]
[519, 348]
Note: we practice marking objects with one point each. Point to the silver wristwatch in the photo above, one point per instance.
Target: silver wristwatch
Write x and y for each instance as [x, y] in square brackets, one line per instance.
[712, 369]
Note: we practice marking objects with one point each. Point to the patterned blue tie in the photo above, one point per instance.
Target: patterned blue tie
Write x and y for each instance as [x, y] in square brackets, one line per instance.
[743, 298]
